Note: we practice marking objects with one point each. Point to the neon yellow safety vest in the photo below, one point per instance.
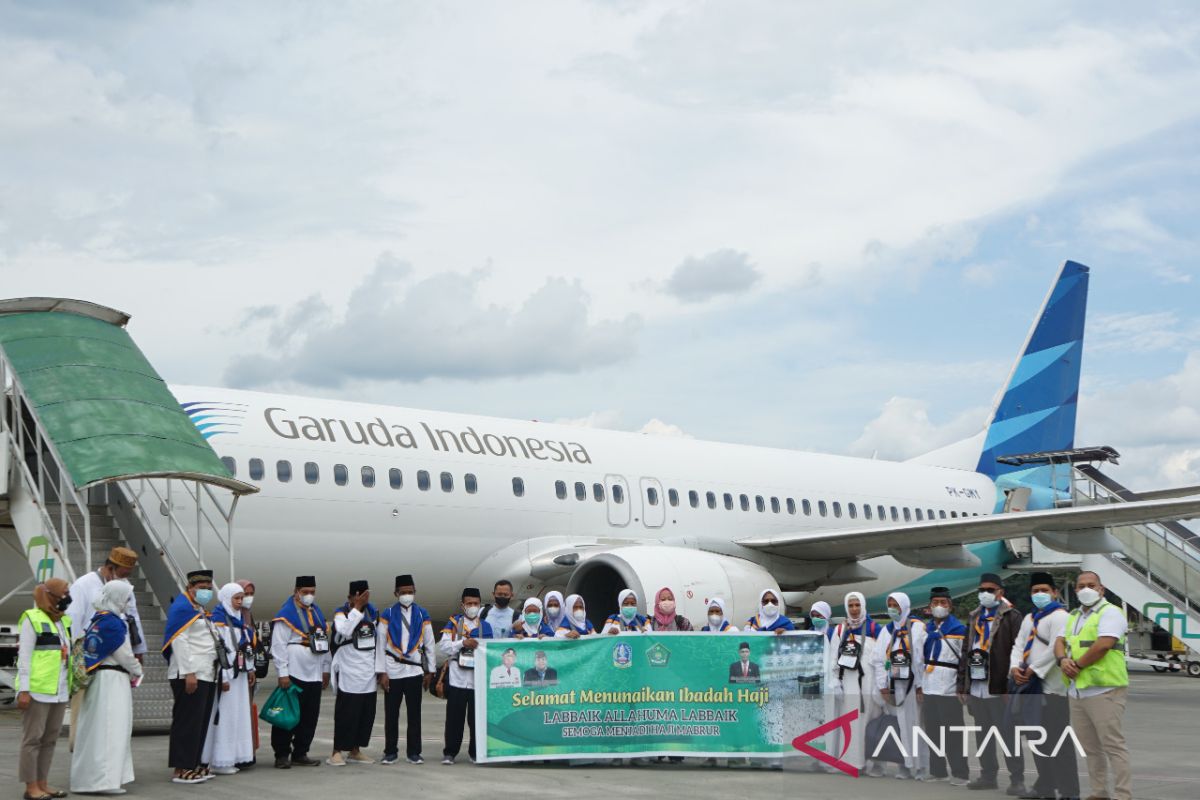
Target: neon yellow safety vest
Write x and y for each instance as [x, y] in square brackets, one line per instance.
[1110, 669]
[47, 661]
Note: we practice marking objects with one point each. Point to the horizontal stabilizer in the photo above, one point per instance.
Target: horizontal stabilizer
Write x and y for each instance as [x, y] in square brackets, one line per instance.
[866, 542]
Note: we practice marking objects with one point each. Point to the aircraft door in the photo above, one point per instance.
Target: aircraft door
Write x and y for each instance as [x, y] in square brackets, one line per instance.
[619, 502]
[654, 511]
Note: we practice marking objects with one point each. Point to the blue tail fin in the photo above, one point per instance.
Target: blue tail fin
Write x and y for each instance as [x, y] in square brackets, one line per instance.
[1037, 410]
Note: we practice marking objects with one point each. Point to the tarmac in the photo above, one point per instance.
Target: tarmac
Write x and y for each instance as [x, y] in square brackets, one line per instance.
[1160, 726]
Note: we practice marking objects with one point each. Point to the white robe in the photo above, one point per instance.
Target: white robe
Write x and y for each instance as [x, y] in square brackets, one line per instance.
[854, 695]
[230, 737]
[103, 758]
[904, 704]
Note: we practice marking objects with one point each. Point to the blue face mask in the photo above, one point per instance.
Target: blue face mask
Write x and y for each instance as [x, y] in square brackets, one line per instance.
[204, 596]
[894, 613]
[819, 623]
[1042, 599]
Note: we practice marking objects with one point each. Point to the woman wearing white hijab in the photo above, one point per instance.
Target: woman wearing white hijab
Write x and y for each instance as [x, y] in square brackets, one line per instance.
[770, 617]
[575, 622]
[554, 610]
[899, 667]
[718, 618]
[103, 759]
[627, 619]
[852, 677]
[230, 738]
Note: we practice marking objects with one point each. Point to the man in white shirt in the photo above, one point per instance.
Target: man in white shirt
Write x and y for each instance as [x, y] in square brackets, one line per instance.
[1040, 698]
[1091, 655]
[190, 647]
[405, 660]
[941, 653]
[355, 632]
[300, 650]
[506, 676]
[460, 638]
[119, 565]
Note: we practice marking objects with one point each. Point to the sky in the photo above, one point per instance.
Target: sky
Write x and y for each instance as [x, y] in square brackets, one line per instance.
[786, 224]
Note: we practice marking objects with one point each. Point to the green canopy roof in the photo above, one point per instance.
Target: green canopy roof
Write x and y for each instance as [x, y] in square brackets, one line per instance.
[105, 408]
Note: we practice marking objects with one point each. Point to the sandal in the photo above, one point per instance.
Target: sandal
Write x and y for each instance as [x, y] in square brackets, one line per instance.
[59, 793]
[28, 796]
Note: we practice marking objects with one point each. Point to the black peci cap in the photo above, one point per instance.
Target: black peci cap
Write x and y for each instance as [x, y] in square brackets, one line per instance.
[306, 582]
[991, 577]
[939, 591]
[471, 591]
[200, 575]
[358, 587]
[1041, 577]
[405, 580]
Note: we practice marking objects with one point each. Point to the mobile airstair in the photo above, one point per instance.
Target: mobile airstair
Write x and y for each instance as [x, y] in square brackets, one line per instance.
[95, 451]
[1157, 571]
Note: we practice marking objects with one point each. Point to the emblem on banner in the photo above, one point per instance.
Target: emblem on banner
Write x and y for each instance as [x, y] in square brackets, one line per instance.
[622, 656]
[658, 655]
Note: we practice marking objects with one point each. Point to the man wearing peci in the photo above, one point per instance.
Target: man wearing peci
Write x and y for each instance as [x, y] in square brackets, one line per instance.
[744, 670]
[300, 650]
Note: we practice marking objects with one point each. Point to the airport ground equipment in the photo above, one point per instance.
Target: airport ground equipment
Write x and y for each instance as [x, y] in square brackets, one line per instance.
[1157, 572]
[95, 452]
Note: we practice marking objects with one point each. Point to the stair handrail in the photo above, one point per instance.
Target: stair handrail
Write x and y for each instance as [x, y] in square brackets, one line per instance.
[1183, 548]
[14, 401]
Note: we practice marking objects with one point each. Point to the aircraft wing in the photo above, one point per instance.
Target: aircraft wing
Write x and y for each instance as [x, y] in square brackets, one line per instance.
[867, 541]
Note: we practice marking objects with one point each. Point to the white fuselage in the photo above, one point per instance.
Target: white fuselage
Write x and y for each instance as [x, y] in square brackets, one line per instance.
[635, 488]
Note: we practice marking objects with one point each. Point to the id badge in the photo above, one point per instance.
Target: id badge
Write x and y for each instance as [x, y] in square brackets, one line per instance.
[977, 665]
[318, 641]
[849, 655]
[901, 669]
[466, 659]
[365, 638]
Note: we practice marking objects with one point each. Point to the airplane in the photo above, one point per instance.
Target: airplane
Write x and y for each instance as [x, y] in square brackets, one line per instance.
[352, 490]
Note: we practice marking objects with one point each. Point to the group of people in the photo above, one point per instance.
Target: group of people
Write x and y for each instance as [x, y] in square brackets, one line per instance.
[1042, 669]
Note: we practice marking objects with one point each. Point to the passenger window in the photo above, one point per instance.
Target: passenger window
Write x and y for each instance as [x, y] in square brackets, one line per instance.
[368, 477]
[953, 515]
[745, 502]
[283, 471]
[447, 482]
[837, 510]
[230, 464]
[580, 491]
[822, 509]
[882, 513]
[618, 493]
[470, 483]
[791, 506]
[907, 515]
[775, 505]
[807, 508]
[673, 497]
[423, 480]
[312, 473]
[895, 515]
[560, 490]
[341, 475]
[760, 503]
[693, 498]
[929, 513]
[519, 487]
[853, 511]
[711, 499]
[256, 469]
[395, 478]
[652, 495]
[728, 498]
[866, 510]
[919, 517]
[941, 513]
[598, 492]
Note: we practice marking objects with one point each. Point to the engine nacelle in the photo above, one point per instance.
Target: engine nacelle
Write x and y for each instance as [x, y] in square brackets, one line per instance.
[694, 576]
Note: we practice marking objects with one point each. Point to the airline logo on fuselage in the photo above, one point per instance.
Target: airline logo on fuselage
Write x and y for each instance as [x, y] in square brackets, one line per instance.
[213, 418]
[378, 433]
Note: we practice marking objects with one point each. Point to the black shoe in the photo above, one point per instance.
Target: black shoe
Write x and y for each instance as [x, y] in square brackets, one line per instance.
[283, 763]
[983, 783]
[1019, 790]
[305, 761]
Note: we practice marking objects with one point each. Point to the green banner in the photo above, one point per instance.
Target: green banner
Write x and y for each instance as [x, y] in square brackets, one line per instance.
[695, 694]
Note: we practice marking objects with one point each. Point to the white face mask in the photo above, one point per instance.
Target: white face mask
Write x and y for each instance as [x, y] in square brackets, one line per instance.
[1088, 596]
[308, 599]
[770, 610]
[715, 619]
[248, 602]
[988, 599]
[552, 612]
[471, 611]
[406, 600]
[940, 612]
[579, 615]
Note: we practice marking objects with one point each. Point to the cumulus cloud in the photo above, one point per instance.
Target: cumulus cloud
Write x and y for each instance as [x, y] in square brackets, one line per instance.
[435, 327]
[721, 272]
[903, 429]
[656, 427]
[1134, 332]
[613, 421]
